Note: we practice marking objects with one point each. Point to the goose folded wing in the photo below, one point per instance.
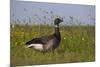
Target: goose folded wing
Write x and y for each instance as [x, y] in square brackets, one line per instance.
[41, 40]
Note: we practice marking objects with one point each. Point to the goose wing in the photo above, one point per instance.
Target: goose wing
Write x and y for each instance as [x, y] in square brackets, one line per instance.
[41, 40]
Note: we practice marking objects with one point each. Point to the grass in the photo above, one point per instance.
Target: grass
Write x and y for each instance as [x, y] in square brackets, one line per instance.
[77, 45]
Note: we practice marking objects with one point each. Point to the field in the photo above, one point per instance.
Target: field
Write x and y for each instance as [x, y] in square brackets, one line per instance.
[77, 45]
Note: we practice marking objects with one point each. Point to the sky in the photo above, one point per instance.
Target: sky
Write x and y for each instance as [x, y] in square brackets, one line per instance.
[45, 13]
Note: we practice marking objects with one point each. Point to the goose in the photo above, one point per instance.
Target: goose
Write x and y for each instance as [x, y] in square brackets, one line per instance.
[46, 43]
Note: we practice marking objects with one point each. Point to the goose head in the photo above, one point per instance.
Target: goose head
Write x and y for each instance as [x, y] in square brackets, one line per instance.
[57, 21]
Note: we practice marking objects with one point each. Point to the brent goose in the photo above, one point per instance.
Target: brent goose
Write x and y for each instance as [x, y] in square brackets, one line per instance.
[45, 43]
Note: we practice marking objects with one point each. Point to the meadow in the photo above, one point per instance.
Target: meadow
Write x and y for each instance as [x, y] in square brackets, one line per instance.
[77, 45]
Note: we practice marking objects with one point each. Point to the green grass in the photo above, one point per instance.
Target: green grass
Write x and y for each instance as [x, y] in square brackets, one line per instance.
[77, 45]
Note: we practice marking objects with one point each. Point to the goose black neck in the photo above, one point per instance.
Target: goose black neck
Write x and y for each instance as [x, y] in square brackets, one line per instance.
[57, 32]
[57, 29]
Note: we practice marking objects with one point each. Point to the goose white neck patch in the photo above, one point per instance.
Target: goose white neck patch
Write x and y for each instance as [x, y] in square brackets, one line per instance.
[56, 26]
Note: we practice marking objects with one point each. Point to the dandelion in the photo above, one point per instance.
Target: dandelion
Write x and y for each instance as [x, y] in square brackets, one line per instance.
[16, 43]
[64, 38]
[82, 38]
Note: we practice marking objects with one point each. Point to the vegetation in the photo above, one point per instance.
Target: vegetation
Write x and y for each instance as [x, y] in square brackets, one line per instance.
[77, 45]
